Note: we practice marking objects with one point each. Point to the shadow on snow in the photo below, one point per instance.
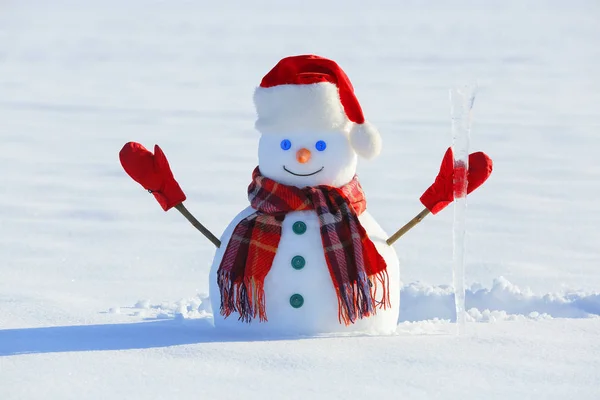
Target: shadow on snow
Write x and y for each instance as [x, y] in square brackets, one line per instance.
[140, 335]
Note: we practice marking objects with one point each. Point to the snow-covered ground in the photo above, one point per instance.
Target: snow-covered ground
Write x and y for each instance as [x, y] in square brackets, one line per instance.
[102, 295]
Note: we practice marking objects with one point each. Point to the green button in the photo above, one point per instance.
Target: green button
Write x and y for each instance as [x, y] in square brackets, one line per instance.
[296, 300]
[299, 227]
[298, 262]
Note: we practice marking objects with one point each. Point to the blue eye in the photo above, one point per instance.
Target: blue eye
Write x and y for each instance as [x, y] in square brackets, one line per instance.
[286, 144]
[320, 145]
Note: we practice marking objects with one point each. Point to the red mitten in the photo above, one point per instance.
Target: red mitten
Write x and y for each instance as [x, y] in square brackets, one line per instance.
[153, 172]
[441, 193]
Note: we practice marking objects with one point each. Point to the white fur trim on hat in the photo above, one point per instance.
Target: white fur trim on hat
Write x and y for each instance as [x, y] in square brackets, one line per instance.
[366, 140]
[293, 108]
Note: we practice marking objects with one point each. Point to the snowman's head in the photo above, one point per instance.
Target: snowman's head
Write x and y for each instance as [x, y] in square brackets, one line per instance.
[311, 123]
[307, 158]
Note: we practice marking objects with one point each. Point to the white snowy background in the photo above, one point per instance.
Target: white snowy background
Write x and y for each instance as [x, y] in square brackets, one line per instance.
[103, 295]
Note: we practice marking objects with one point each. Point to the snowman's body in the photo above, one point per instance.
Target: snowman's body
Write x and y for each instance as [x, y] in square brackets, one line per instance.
[319, 312]
[312, 130]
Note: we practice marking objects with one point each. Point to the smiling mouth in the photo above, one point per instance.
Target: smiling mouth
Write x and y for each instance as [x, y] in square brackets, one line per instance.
[312, 173]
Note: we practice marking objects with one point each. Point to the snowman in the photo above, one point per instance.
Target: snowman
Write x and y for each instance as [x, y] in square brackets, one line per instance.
[305, 257]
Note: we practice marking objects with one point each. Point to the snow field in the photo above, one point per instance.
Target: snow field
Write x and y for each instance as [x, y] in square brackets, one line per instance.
[80, 244]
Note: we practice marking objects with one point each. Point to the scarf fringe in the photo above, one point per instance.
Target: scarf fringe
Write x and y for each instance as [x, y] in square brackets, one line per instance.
[383, 280]
[359, 300]
[246, 297]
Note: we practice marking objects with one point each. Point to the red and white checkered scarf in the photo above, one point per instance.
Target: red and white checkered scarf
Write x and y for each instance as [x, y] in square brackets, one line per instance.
[355, 266]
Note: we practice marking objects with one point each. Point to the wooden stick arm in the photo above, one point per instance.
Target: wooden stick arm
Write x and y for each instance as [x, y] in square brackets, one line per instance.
[408, 226]
[208, 234]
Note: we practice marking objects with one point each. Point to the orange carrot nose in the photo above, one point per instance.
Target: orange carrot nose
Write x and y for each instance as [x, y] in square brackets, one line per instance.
[303, 155]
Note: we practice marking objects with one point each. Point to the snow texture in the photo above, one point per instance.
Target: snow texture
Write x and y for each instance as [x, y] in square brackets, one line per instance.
[104, 296]
[421, 302]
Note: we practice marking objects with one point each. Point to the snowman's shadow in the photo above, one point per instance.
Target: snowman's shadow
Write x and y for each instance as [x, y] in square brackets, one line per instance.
[139, 335]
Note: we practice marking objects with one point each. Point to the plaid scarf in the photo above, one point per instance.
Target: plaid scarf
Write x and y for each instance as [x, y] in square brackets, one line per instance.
[355, 266]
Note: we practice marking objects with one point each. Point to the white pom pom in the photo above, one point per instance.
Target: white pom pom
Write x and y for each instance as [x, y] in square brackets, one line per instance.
[365, 140]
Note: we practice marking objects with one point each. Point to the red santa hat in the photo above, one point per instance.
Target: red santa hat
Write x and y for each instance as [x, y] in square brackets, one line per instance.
[313, 93]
